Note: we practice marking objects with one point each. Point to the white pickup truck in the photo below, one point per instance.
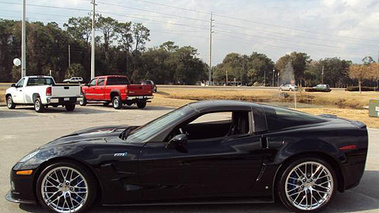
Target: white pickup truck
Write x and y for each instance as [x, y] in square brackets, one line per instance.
[42, 91]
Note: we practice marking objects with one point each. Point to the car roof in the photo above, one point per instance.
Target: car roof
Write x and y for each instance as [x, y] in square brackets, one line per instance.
[221, 105]
[39, 76]
[103, 76]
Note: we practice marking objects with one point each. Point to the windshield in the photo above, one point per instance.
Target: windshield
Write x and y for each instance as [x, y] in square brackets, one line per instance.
[143, 133]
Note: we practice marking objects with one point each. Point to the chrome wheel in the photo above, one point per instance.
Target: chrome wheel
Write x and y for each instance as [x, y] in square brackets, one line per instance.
[9, 102]
[64, 189]
[309, 185]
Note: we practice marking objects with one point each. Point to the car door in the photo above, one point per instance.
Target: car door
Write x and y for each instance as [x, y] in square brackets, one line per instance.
[90, 93]
[99, 89]
[215, 166]
[18, 96]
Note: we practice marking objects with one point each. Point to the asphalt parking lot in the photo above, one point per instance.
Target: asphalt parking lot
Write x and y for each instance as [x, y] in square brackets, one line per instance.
[22, 130]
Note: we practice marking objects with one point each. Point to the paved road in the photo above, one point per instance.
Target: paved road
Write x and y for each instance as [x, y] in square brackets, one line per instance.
[22, 130]
[226, 88]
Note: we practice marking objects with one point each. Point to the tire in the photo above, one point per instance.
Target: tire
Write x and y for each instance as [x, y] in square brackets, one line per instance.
[116, 102]
[70, 107]
[38, 106]
[83, 102]
[310, 190]
[106, 104]
[68, 182]
[141, 105]
[10, 103]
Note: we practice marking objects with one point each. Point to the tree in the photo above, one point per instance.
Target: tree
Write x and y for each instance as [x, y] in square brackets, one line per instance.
[141, 36]
[108, 26]
[75, 70]
[359, 72]
[298, 61]
[125, 39]
[79, 28]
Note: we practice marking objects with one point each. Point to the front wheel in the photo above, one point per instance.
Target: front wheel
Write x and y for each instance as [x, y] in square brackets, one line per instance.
[38, 106]
[10, 103]
[307, 185]
[70, 107]
[116, 102]
[66, 187]
[83, 102]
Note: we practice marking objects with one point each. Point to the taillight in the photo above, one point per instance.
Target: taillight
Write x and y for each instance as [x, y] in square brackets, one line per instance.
[348, 147]
[48, 91]
[126, 90]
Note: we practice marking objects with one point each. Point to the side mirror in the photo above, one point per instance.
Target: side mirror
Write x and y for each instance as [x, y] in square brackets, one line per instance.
[13, 85]
[178, 142]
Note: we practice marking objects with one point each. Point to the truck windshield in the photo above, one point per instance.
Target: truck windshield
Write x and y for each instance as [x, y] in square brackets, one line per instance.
[40, 81]
[117, 81]
[143, 133]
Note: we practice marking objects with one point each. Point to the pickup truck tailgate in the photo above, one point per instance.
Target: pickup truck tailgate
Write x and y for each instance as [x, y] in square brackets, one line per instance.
[65, 91]
[137, 89]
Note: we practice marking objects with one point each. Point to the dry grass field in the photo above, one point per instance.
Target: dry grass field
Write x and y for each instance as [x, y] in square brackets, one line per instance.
[341, 103]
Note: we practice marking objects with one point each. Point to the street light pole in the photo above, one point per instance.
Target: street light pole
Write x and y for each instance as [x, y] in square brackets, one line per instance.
[273, 77]
[93, 41]
[210, 49]
[23, 42]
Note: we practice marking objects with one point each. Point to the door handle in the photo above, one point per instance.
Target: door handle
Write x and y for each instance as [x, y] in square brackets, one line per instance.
[20, 90]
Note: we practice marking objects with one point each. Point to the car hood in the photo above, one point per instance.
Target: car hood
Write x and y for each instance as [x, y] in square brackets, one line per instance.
[101, 134]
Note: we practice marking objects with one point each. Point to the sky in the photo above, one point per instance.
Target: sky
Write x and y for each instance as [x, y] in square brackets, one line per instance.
[347, 29]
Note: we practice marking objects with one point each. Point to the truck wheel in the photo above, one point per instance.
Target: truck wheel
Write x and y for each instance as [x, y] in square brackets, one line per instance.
[10, 103]
[83, 102]
[141, 105]
[38, 106]
[70, 107]
[117, 102]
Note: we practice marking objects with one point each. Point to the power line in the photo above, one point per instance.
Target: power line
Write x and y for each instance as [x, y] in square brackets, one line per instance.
[151, 11]
[257, 22]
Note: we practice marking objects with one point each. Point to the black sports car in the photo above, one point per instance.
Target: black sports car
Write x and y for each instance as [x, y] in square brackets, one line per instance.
[204, 152]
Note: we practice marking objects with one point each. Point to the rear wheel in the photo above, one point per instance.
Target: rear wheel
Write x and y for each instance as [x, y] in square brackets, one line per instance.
[116, 102]
[307, 185]
[83, 102]
[10, 103]
[66, 187]
[70, 107]
[141, 105]
[38, 106]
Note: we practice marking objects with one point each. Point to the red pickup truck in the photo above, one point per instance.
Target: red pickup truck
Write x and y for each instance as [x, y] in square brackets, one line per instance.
[116, 89]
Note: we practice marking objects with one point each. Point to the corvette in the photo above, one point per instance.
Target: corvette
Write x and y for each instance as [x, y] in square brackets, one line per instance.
[205, 152]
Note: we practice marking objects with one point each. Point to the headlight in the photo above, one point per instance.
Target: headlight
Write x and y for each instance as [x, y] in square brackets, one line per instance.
[29, 156]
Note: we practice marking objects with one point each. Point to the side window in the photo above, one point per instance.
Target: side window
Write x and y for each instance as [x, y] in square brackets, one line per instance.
[279, 118]
[217, 124]
[20, 83]
[92, 82]
[100, 82]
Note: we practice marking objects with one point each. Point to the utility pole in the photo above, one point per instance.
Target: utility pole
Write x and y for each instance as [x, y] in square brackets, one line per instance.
[278, 79]
[226, 77]
[210, 49]
[23, 42]
[69, 56]
[322, 75]
[93, 41]
[264, 78]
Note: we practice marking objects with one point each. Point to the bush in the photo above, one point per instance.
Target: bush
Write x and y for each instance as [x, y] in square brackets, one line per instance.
[356, 88]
